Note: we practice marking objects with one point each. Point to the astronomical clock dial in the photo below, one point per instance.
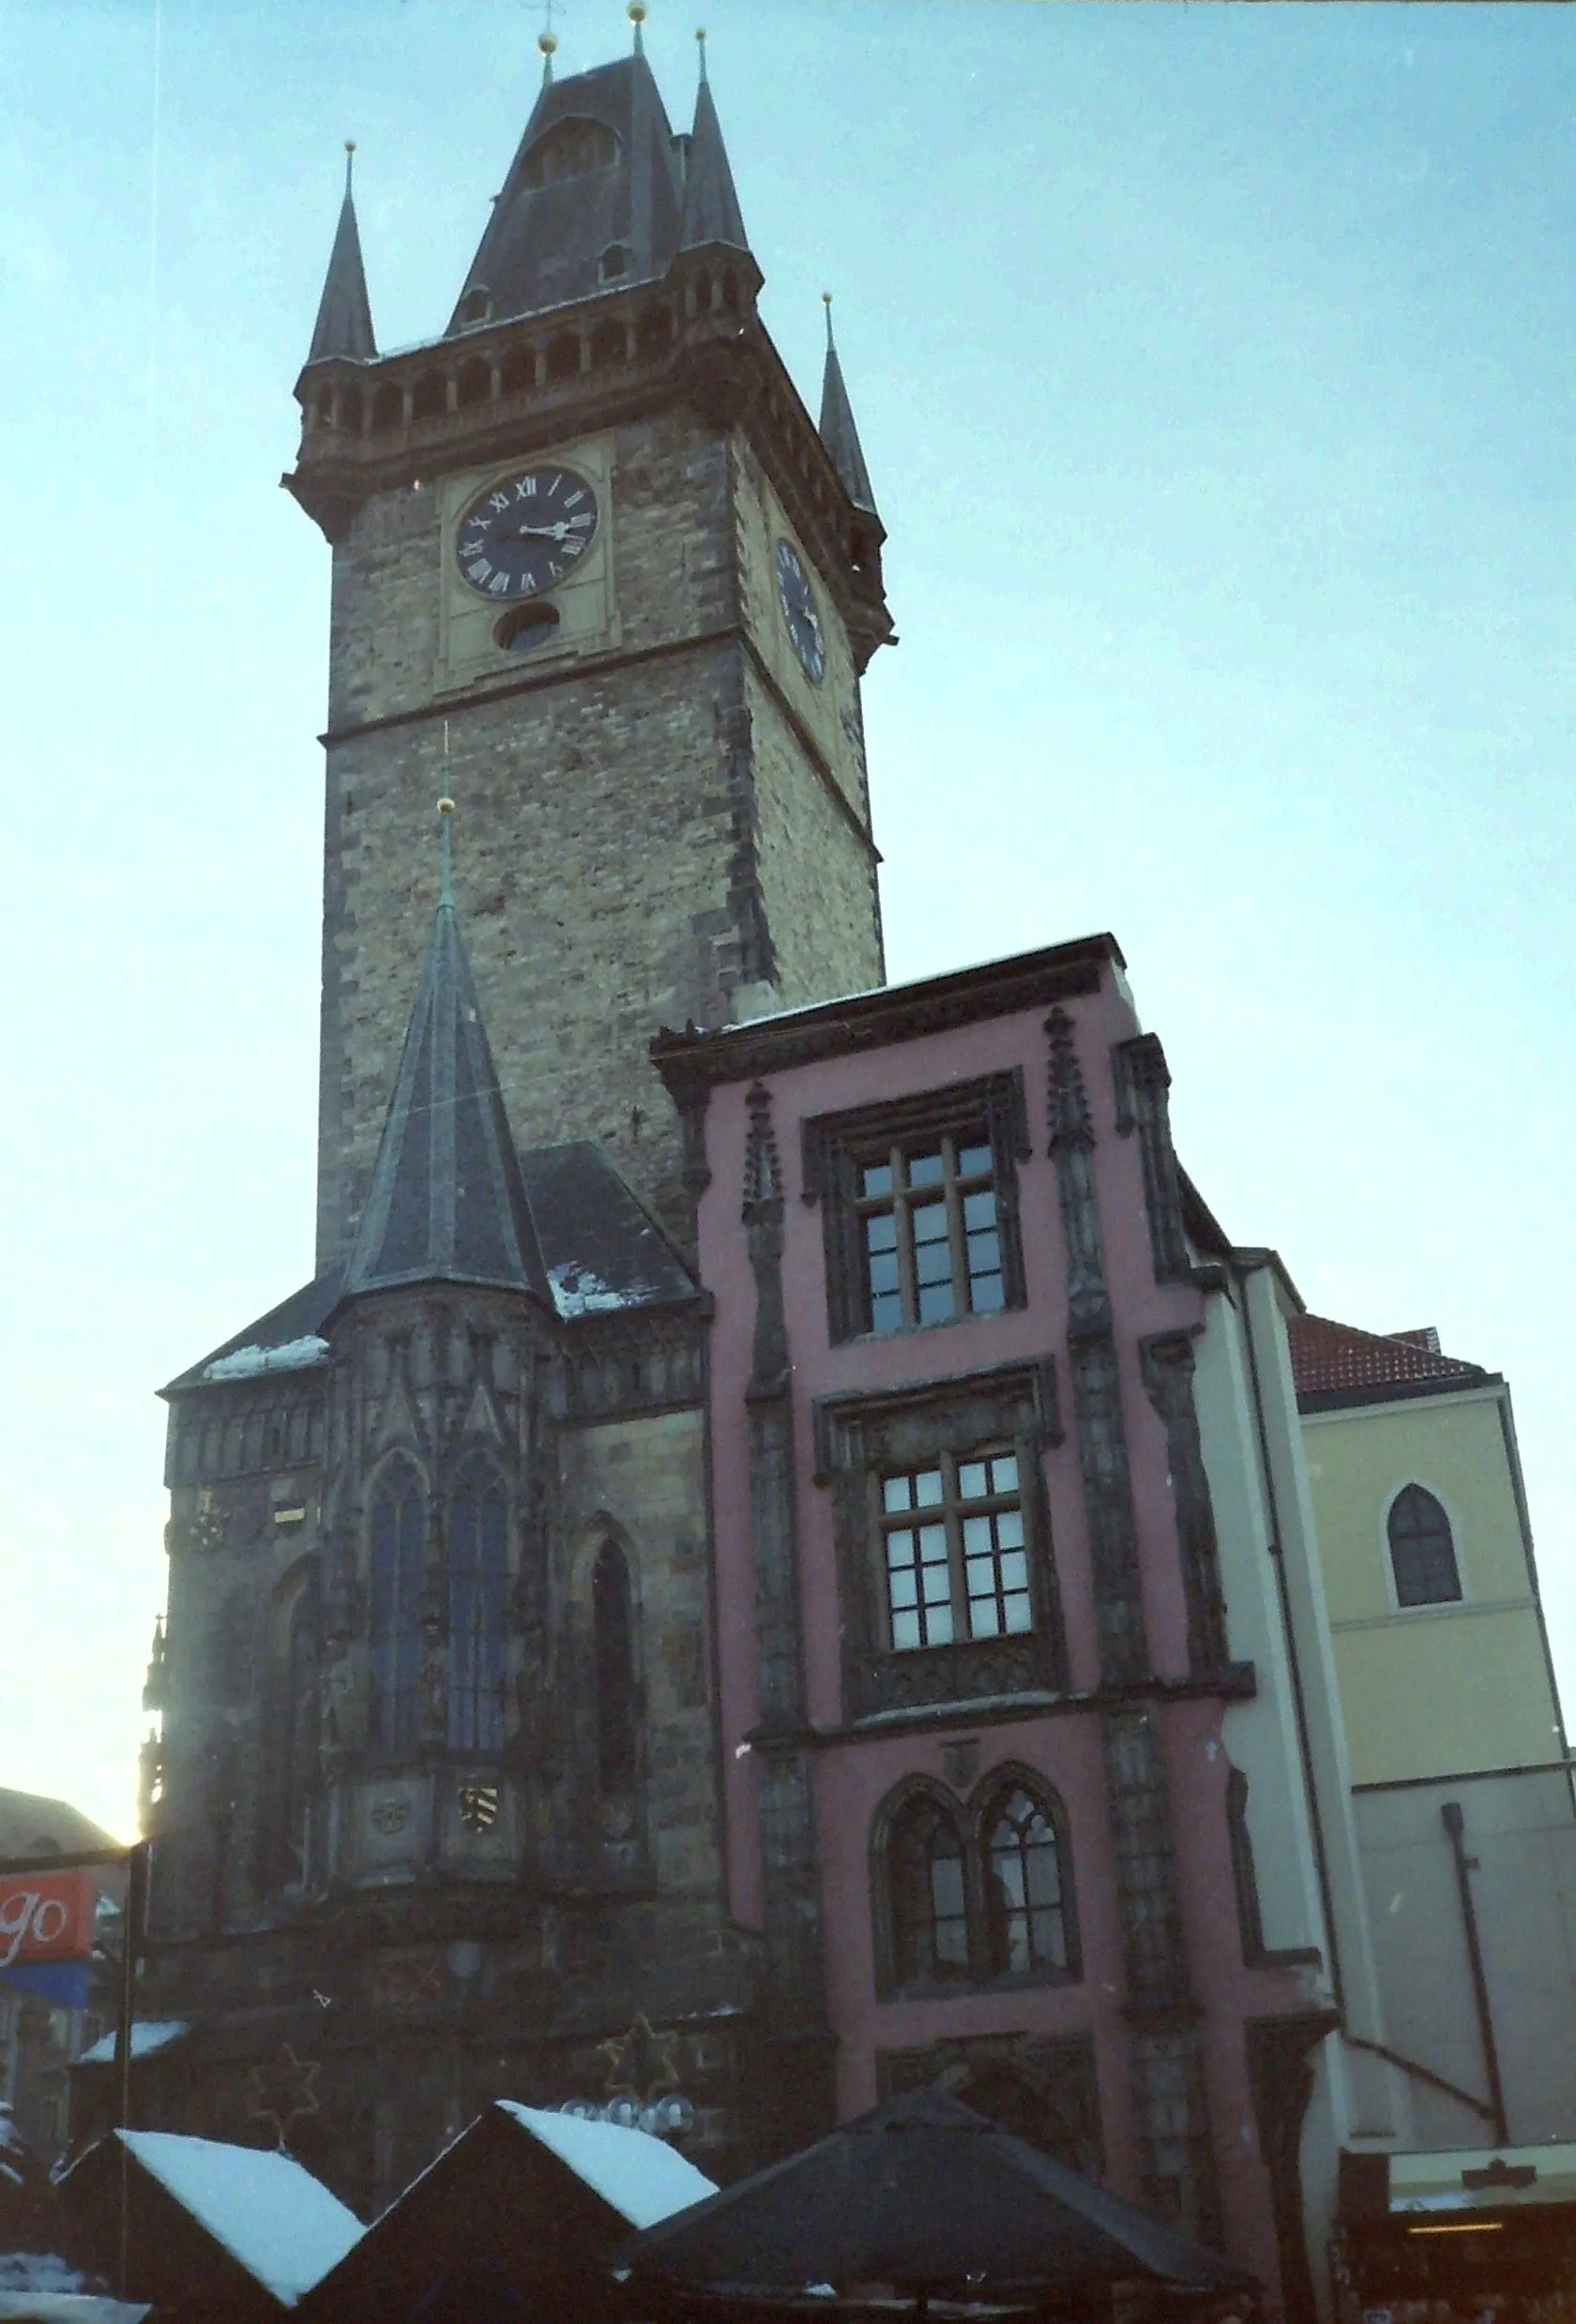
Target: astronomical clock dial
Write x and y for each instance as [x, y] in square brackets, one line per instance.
[798, 611]
[525, 534]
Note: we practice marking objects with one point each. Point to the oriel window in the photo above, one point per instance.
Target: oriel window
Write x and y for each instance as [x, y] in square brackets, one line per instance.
[399, 1559]
[954, 1557]
[478, 1566]
[931, 1234]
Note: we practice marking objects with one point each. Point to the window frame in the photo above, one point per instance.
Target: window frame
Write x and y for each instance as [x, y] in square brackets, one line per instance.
[859, 1440]
[836, 1148]
[402, 1739]
[473, 1622]
[972, 1820]
[1393, 1578]
[957, 1510]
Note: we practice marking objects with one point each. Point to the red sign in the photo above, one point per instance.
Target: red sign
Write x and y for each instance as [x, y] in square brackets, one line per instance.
[46, 1915]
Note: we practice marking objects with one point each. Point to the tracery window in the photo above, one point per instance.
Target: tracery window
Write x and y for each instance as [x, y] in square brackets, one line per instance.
[399, 1559]
[1024, 1926]
[1422, 1550]
[974, 1895]
[478, 1567]
[929, 1905]
[613, 1654]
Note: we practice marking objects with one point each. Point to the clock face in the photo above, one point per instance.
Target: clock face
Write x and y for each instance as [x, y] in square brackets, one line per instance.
[799, 610]
[526, 534]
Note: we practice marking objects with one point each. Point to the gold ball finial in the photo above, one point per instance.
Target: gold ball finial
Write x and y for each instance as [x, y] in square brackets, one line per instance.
[446, 806]
[548, 43]
[636, 12]
[350, 144]
[825, 299]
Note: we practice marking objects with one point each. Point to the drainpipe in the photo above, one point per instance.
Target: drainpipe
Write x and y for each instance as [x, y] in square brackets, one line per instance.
[1293, 1662]
[1451, 1817]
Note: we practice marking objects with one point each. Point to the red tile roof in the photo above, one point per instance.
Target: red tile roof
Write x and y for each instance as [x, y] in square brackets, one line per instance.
[1331, 1359]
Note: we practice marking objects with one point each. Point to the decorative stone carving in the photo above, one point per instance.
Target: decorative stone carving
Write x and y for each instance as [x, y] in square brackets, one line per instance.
[1142, 1104]
[1167, 1362]
[1044, 2092]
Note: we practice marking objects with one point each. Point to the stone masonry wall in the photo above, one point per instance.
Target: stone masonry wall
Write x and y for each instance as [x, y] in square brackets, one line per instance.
[614, 820]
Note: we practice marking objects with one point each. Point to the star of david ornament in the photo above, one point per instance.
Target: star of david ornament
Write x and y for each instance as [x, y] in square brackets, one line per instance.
[282, 2092]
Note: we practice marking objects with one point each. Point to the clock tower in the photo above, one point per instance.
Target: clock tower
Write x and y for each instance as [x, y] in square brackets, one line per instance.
[598, 575]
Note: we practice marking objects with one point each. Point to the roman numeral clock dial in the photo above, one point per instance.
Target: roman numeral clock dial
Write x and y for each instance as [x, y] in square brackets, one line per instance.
[798, 600]
[525, 534]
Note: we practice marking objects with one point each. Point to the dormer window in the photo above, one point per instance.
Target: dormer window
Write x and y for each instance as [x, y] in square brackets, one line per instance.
[615, 263]
[569, 150]
[477, 305]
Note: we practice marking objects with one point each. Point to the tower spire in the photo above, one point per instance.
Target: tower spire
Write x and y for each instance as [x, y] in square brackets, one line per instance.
[636, 12]
[344, 315]
[711, 206]
[838, 432]
[447, 1201]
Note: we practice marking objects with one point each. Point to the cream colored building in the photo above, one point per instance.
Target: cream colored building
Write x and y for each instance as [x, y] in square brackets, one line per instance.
[1460, 1790]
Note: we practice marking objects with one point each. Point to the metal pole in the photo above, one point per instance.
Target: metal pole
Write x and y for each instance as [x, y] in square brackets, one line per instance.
[1451, 1817]
[130, 1947]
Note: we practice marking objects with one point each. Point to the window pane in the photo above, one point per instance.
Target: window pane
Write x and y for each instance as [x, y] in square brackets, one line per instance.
[984, 1620]
[896, 1492]
[905, 1631]
[1020, 1614]
[938, 1623]
[984, 1253]
[876, 1178]
[938, 1585]
[883, 1274]
[975, 1161]
[1015, 1570]
[933, 1544]
[936, 1303]
[971, 1480]
[987, 1296]
[887, 1313]
[1009, 1521]
[899, 1547]
[980, 1211]
[903, 1587]
[1004, 1473]
[925, 1169]
[927, 1488]
[881, 1231]
[978, 1540]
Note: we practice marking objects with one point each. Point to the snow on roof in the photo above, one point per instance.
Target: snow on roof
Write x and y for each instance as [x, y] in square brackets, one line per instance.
[147, 2035]
[643, 2180]
[293, 1356]
[67, 2308]
[276, 2219]
[580, 1291]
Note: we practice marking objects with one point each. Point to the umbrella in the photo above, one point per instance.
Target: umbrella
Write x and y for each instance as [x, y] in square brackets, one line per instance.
[926, 2196]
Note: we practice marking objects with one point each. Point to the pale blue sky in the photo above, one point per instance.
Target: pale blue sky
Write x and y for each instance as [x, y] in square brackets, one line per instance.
[1215, 370]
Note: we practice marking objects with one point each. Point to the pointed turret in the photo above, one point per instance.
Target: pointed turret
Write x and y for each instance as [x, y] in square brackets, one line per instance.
[344, 315]
[711, 210]
[446, 1203]
[591, 200]
[838, 432]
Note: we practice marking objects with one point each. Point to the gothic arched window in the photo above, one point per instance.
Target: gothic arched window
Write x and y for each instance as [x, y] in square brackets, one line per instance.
[929, 1895]
[1423, 1552]
[477, 1563]
[614, 1648]
[399, 1559]
[1025, 1917]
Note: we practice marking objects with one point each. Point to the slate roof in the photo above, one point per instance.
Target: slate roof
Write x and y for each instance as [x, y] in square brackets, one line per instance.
[838, 432]
[600, 1250]
[344, 315]
[542, 242]
[1335, 1364]
[446, 1203]
[711, 209]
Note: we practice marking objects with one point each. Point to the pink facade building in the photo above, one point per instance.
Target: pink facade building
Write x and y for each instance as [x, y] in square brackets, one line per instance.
[979, 1644]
